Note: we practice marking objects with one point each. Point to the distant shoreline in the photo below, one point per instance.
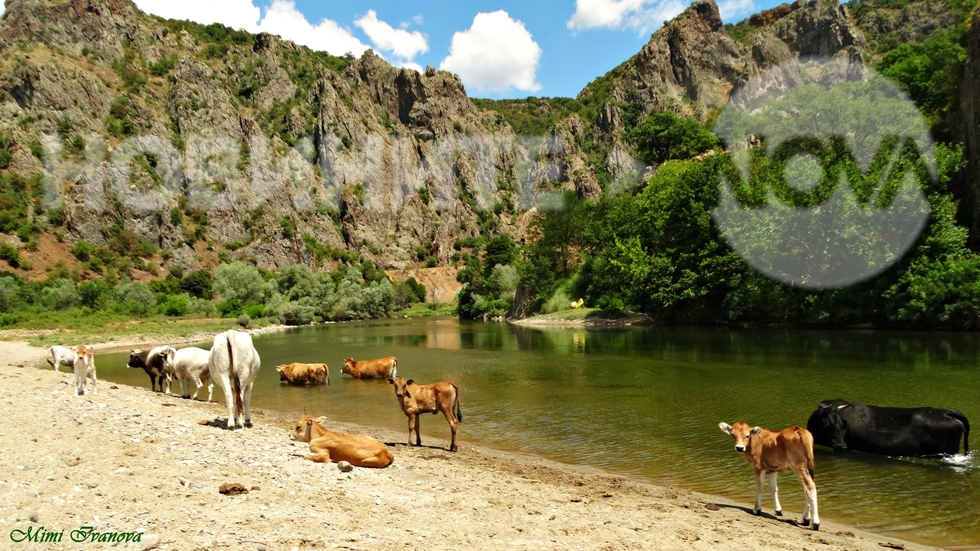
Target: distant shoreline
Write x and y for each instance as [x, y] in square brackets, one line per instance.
[586, 317]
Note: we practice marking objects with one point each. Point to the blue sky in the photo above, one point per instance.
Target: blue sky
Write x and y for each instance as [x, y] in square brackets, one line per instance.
[499, 48]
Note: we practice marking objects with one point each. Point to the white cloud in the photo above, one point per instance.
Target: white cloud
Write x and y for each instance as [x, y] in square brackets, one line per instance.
[282, 18]
[237, 14]
[640, 15]
[731, 9]
[494, 54]
[402, 43]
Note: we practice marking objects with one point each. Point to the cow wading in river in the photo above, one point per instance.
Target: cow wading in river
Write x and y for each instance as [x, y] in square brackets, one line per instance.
[234, 363]
[384, 368]
[924, 431]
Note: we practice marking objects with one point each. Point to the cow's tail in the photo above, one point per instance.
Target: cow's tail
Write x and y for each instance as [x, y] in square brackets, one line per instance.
[456, 410]
[807, 439]
[966, 428]
[236, 381]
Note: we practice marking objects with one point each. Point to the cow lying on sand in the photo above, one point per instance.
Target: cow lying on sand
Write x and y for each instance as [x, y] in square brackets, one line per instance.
[234, 364]
[191, 365]
[304, 374]
[770, 452]
[385, 368]
[152, 362]
[84, 368]
[62, 356]
[328, 445]
[416, 399]
[844, 425]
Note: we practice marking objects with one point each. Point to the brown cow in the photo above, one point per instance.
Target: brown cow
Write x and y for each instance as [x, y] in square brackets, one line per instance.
[304, 374]
[416, 399]
[327, 445]
[770, 452]
[384, 368]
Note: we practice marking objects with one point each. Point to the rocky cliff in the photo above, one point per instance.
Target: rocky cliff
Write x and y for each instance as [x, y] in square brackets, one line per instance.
[208, 142]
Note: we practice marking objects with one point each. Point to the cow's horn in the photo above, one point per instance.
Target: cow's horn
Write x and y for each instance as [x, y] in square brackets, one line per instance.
[842, 406]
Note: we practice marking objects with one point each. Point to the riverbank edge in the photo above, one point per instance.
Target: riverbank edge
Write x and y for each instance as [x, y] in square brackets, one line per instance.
[694, 509]
[570, 318]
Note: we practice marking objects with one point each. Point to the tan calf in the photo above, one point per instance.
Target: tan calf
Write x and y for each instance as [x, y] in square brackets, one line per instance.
[416, 399]
[385, 368]
[304, 374]
[770, 452]
[84, 367]
[327, 446]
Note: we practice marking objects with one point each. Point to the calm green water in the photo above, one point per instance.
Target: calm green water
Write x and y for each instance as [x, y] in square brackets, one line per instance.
[648, 401]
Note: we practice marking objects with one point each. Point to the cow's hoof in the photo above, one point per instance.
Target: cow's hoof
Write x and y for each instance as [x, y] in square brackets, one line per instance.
[816, 527]
[248, 424]
[806, 522]
[779, 513]
[757, 512]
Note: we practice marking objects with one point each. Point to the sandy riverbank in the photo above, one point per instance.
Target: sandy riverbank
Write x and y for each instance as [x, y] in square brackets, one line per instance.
[586, 317]
[128, 459]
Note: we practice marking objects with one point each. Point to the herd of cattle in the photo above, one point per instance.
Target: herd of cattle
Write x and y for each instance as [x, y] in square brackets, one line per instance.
[234, 363]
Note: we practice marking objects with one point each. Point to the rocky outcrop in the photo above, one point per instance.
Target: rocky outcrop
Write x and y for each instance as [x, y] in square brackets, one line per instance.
[260, 148]
[693, 65]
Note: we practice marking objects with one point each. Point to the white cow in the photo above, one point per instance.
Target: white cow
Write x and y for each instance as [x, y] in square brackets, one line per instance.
[234, 364]
[84, 367]
[62, 356]
[190, 364]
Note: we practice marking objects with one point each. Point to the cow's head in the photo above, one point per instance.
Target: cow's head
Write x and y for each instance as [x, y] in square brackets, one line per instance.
[348, 363]
[280, 369]
[303, 429]
[401, 386]
[741, 432]
[169, 354]
[827, 425]
[134, 358]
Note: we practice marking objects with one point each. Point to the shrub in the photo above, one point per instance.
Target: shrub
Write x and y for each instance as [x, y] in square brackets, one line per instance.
[10, 254]
[135, 298]
[243, 320]
[198, 284]
[61, 295]
[174, 305]
[83, 250]
[237, 281]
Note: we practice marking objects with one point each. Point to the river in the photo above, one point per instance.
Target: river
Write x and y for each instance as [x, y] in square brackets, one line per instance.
[647, 402]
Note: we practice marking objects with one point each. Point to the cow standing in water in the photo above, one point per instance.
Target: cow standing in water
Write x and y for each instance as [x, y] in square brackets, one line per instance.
[384, 368]
[924, 431]
[234, 363]
[770, 452]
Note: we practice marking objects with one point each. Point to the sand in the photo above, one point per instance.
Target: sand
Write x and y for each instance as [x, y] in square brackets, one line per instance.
[128, 460]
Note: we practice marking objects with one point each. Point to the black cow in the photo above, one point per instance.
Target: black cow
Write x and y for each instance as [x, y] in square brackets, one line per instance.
[152, 362]
[925, 431]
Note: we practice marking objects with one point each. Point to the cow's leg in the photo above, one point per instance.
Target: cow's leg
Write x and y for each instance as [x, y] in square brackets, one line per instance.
[229, 400]
[79, 383]
[413, 427]
[320, 452]
[91, 373]
[246, 401]
[774, 488]
[210, 391]
[198, 385]
[758, 492]
[811, 517]
[453, 424]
